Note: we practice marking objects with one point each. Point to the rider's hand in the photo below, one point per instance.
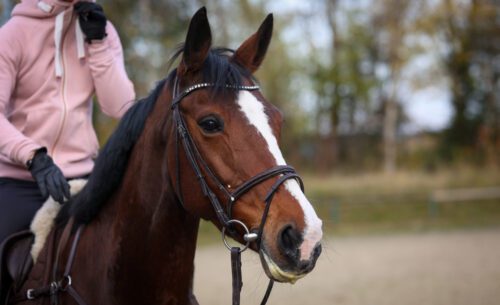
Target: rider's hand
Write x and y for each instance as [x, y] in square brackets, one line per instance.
[92, 20]
[48, 176]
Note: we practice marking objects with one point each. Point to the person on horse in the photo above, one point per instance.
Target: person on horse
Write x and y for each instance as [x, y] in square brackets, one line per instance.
[54, 56]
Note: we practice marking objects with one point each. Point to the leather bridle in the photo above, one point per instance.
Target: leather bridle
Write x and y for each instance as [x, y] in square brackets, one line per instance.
[197, 162]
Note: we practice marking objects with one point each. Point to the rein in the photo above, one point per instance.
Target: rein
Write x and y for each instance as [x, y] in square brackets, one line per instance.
[284, 172]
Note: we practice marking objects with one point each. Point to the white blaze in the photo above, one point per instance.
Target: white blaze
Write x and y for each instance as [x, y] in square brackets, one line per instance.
[254, 112]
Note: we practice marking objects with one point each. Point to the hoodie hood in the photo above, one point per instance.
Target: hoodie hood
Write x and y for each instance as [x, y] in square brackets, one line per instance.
[58, 10]
[41, 8]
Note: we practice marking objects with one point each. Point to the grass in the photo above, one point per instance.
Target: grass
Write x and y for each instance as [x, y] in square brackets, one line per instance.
[374, 203]
[402, 182]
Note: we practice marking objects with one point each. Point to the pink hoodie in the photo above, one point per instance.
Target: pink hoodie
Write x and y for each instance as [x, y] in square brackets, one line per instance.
[46, 91]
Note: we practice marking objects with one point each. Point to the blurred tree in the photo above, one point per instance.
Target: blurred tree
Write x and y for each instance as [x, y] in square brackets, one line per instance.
[390, 29]
[358, 84]
[334, 75]
[343, 79]
[471, 31]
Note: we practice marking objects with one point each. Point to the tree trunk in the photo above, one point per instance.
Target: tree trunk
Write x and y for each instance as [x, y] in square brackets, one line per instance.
[336, 99]
[390, 134]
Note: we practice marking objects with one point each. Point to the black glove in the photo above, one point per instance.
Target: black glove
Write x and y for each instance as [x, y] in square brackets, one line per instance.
[48, 176]
[92, 20]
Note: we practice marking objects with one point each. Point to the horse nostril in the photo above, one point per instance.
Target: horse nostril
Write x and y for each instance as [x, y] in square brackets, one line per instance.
[316, 252]
[289, 241]
[308, 265]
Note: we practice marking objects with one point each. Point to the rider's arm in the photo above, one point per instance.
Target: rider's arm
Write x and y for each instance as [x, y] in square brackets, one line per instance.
[115, 92]
[13, 144]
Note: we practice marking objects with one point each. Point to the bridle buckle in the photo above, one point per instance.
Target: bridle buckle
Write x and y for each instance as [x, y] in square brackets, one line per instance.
[29, 294]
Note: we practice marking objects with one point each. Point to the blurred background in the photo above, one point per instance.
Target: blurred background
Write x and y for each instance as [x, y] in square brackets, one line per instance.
[392, 114]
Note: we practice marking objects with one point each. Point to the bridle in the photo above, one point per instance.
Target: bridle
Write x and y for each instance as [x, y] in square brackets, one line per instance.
[197, 162]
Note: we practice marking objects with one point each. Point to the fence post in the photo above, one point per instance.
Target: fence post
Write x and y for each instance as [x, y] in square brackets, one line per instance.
[335, 211]
[432, 207]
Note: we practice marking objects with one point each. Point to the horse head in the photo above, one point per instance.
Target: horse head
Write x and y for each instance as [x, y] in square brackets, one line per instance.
[230, 133]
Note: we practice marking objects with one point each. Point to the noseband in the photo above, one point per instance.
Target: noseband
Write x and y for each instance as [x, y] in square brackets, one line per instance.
[197, 162]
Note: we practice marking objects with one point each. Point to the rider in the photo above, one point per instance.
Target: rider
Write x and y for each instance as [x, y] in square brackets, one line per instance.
[54, 55]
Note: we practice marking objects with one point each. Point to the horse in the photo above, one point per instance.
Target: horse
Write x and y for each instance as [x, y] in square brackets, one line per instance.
[202, 145]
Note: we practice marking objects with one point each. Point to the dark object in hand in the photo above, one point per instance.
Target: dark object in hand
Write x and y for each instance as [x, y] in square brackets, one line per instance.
[48, 176]
[92, 20]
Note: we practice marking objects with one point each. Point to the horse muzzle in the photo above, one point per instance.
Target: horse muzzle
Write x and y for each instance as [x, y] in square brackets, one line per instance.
[288, 267]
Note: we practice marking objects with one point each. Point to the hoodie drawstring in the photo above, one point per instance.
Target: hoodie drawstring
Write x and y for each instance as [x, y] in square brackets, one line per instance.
[79, 40]
[44, 6]
[59, 24]
[58, 39]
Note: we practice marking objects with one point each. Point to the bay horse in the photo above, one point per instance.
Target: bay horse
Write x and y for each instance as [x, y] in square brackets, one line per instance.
[202, 145]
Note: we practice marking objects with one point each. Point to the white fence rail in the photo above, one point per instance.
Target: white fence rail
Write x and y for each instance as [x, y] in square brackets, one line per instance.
[461, 195]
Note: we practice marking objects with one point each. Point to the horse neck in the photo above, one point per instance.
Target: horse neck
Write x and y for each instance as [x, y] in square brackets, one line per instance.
[156, 237]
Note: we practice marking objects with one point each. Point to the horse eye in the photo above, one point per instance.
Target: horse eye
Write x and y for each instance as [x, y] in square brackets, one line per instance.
[211, 124]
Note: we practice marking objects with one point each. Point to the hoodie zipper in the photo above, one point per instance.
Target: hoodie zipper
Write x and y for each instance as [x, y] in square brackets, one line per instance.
[63, 91]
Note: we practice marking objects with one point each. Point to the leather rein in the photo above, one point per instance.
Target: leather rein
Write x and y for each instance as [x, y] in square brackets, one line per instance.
[197, 162]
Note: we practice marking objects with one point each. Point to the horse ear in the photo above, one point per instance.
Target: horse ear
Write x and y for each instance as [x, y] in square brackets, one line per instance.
[197, 44]
[252, 52]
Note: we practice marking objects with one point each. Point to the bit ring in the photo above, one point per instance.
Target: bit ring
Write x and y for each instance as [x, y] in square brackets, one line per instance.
[247, 236]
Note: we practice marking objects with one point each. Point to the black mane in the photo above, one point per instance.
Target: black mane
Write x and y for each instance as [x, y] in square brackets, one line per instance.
[112, 161]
